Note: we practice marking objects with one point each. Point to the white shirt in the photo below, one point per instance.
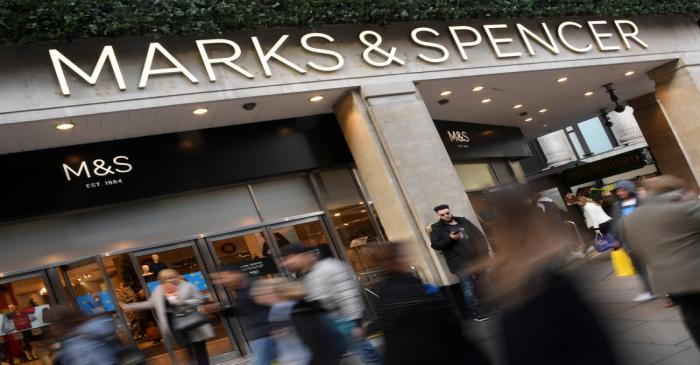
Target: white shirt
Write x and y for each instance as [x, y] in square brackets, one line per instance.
[595, 215]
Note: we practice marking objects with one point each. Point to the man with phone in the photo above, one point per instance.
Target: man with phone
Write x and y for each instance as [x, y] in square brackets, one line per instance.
[462, 244]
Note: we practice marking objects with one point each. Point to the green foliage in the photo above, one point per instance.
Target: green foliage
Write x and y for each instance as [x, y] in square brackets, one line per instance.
[23, 21]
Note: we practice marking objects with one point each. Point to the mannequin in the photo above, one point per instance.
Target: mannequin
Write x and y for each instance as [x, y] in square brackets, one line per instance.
[155, 265]
[146, 270]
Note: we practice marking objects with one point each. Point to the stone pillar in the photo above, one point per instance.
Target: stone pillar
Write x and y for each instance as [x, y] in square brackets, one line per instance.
[556, 148]
[625, 127]
[660, 137]
[404, 165]
[678, 96]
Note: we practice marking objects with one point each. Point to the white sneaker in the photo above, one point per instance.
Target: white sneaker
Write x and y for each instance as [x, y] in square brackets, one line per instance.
[644, 297]
[578, 255]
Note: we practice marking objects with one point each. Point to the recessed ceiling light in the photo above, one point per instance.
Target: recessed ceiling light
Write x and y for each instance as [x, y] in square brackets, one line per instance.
[543, 110]
[517, 106]
[477, 88]
[316, 98]
[65, 126]
[529, 119]
[486, 101]
[363, 211]
[360, 203]
[562, 79]
[629, 73]
[588, 93]
[336, 215]
[345, 224]
[200, 111]
[544, 125]
[445, 92]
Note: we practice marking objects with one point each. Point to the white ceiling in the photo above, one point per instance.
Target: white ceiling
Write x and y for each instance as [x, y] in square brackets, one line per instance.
[537, 89]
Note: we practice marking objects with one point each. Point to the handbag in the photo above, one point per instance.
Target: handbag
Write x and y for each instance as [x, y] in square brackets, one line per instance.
[605, 242]
[187, 320]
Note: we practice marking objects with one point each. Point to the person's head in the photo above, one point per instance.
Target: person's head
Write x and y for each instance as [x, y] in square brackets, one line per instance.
[155, 258]
[145, 269]
[392, 256]
[625, 190]
[664, 184]
[443, 211]
[169, 277]
[298, 258]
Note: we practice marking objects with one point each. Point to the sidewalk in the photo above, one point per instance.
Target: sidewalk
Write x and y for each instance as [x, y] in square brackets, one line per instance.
[645, 333]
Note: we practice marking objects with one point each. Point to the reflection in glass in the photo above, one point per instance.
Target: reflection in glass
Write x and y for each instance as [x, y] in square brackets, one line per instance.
[89, 289]
[309, 234]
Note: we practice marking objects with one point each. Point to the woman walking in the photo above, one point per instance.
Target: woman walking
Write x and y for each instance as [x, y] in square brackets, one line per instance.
[171, 300]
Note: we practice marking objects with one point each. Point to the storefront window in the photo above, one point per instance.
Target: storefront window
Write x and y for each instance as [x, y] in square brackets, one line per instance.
[476, 176]
[250, 253]
[285, 198]
[351, 218]
[595, 136]
[504, 175]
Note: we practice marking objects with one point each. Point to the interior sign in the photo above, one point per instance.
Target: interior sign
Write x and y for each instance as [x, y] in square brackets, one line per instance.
[601, 34]
[107, 173]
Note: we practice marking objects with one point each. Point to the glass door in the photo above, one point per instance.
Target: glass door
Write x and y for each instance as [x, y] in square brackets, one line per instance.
[252, 252]
[310, 232]
[184, 259]
[23, 302]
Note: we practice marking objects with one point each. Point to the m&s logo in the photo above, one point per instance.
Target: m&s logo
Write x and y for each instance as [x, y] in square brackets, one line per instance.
[458, 136]
[98, 168]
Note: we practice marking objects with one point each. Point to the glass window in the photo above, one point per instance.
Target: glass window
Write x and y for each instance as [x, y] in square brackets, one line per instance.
[250, 253]
[351, 218]
[310, 234]
[285, 198]
[503, 173]
[594, 134]
[577, 144]
[475, 176]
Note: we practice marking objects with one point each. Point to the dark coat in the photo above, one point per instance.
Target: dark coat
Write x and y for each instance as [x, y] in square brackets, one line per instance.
[315, 328]
[459, 253]
[419, 329]
[253, 316]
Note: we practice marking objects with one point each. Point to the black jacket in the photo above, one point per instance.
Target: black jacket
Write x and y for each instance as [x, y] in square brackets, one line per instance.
[253, 316]
[315, 328]
[458, 253]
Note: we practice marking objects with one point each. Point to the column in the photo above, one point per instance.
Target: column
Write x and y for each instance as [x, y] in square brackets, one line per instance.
[404, 165]
[678, 96]
[625, 127]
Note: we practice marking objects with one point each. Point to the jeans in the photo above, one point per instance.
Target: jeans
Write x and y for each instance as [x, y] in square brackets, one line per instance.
[359, 346]
[467, 284]
[264, 351]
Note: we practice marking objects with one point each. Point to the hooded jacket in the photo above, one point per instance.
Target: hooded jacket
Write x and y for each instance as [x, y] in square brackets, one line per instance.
[459, 253]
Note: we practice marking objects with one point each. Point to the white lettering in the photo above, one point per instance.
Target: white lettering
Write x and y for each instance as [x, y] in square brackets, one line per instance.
[272, 53]
[458, 136]
[495, 41]
[83, 168]
[57, 58]
[228, 61]
[147, 71]
[336, 55]
[445, 52]
[127, 166]
[460, 45]
[632, 35]
[560, 33]
[599, 36]
[527, 34]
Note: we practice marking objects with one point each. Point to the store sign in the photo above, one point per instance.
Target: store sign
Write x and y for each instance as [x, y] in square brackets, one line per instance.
[84, 176]
[470, 141]
[606, 167]
[603, 35]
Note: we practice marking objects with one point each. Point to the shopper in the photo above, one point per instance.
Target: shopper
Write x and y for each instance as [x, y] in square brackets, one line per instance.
[462, 245]
[172, 298]
[594, 215]
[332, 283]
[626, 192]
[412, 321]
[664, 234]
[252, 315]
[84, 340]
[555, 223]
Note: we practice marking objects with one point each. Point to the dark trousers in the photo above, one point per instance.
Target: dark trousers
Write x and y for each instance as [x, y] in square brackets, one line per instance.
[198, 352]
[690, 308]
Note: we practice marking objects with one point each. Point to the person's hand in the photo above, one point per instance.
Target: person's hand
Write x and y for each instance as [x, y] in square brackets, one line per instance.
[210, 308]
[455, 235]
[232, 279]
[597, 232]
[124, 307]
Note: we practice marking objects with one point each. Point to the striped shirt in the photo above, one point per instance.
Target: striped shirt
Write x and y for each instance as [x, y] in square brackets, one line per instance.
[333, 284]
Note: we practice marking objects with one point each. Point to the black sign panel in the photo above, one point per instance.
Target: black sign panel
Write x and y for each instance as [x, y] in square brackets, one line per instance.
[90, 175]
[468, 141]
[610, 166]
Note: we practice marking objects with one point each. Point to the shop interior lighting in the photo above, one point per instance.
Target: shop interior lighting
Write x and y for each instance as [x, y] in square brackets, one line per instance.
[200, 111]
[345, 224]
[477, 88]
[65, 126]
[336, 215]
[486, 101]
[629, 73]
[316, 98]
[562, 79]
[543, 110]
[544, 125]
[588, 93]
[517, 106]
[529, 119]
[445, 92]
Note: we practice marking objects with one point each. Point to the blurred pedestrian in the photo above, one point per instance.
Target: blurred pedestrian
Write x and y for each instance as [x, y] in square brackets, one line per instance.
[252, 315]
[332, 283]
[626, 192]
[665, 234]
[462, 244]
[177, 300]
[555, 223]
[545, 320]
[412, 321]
[84, 340]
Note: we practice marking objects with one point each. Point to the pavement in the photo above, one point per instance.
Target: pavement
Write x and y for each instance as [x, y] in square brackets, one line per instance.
[642, 333]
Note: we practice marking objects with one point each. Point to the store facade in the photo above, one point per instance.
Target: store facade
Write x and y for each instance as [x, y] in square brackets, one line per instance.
[333, 137]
